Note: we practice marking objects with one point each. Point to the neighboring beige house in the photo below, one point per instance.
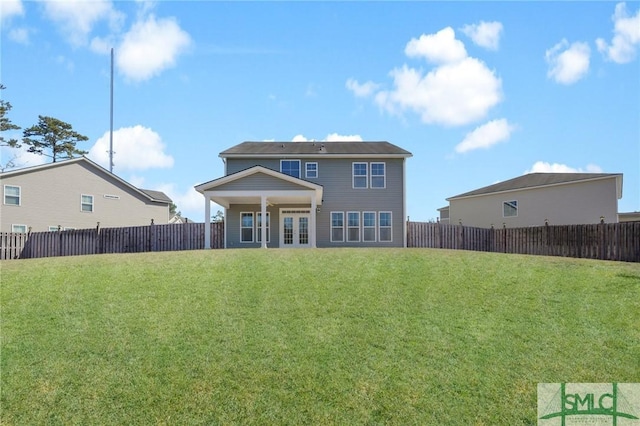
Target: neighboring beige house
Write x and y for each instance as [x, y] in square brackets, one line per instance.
[75, 194]
[629, 217]
[538, 198]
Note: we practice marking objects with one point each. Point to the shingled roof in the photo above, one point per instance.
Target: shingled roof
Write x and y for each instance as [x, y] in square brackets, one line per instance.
[307, 149]
[536, 180]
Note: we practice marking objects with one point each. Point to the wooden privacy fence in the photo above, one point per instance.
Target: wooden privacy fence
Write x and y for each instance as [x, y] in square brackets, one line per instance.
[606, 241]
[135, 239]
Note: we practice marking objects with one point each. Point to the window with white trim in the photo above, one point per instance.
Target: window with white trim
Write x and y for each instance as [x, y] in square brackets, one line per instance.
[369, 226]
[510, 208]
[246, 227]
[378, 175]
[54, 228]
[290, 167]
[384, 227]
[311, 170]
[360, 175]
[11, 195]
[86, 203]
[22, 229]
[337, 226]
[353, 226]
[259, 227]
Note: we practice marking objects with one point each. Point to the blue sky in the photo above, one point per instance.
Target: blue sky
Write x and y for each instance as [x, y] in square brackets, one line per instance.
[479, 92]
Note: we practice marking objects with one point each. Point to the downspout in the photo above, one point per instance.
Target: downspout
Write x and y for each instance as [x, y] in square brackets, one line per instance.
[404, 202]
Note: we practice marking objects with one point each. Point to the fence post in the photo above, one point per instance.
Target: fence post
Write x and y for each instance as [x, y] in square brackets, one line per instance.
[602, 238]
[152, 237]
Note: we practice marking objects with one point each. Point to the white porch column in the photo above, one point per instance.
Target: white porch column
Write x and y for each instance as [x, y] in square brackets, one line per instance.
[207, 221]
[263, 224]
[312, 225]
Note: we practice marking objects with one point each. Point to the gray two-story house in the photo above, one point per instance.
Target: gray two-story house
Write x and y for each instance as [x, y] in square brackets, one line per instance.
[311, 194]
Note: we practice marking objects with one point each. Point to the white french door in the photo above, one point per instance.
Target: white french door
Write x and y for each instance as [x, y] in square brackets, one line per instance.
[294, 228]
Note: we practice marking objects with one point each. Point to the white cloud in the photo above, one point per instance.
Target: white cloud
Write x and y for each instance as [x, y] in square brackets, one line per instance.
[335, 137]
[190, 202]
[440, 48]
[544, 167]
[331, 137]
[150, 46]
[484, 34]
[457, 91]
[19, 35]
[568, 63]
[361, 90]
[486, 136]
[626, 36]
[76, 19]
[451, 94]
[20, 157]
[135, 148]
[10, 8]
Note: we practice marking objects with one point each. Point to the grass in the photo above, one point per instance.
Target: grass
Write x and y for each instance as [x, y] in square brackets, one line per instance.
[344, 336]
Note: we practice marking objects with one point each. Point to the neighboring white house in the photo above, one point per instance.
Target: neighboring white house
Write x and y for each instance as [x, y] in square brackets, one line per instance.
[75, 194]
[538, 198]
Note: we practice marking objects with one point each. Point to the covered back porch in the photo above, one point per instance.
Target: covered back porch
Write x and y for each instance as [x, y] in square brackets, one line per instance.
[289, 205]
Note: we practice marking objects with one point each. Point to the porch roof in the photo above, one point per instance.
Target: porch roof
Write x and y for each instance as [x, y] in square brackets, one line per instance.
[302, 194]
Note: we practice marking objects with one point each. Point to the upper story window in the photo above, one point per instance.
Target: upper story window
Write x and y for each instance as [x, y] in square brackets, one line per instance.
[290, 167]
[360, 176]
[510, 208]
[12, 195]
[86, 203]
[378, 176]
[311, 170]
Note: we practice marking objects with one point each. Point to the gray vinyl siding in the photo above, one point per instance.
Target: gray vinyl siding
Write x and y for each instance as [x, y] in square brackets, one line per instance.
[259, 181]
[51, 197]
[335, 175]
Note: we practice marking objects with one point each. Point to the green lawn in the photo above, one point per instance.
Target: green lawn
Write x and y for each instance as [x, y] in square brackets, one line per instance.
[327, 336]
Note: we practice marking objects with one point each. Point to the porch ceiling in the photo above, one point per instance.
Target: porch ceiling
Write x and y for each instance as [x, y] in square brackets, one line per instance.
[226, 200]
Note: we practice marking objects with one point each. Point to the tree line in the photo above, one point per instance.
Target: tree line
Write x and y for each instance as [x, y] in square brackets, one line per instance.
[50, 137]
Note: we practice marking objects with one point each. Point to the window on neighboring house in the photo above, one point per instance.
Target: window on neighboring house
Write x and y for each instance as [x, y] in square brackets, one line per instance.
[86, 203]
[378, 178]
[359, 175]
[311, 170]
[259, 227]
[290, 167]
[337, 226]
[510, 208]
[246, 227]
[385, 226]
[19, 228]
[12, 195]
[353, 226]
[369, 226]
[54, 228]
